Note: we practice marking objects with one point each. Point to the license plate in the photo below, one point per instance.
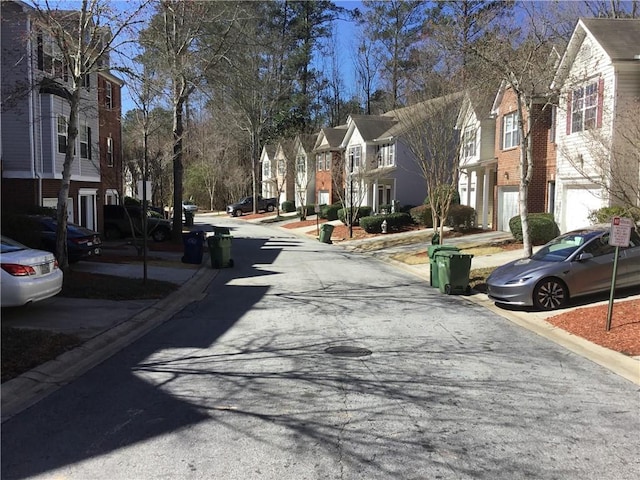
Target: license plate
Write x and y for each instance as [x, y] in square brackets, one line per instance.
[45, 268]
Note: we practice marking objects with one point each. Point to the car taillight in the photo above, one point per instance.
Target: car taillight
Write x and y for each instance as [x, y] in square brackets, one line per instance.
[55, 264]
[18, 270]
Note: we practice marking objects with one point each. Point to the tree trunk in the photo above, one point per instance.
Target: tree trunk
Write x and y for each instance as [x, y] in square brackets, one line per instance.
[65, 185]
[178, 130]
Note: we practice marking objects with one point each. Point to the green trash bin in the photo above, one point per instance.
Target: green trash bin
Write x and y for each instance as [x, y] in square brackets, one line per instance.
[221, 230]
[326, 229]
[433, 267]
[220, 250]
[453, 272]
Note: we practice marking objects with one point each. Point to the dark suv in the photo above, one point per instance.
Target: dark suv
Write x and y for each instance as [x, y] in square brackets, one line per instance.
[122, 221]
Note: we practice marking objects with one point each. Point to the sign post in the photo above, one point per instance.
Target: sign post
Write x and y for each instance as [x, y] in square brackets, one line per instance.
[619, 236]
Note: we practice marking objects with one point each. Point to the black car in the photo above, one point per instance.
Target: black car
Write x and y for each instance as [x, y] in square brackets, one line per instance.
[81, 242]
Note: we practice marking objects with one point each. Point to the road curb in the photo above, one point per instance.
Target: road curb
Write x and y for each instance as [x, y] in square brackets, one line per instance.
[29, 388]
[620, 364]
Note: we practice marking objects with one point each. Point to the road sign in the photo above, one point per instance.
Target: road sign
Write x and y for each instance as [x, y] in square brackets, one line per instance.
[620, 231]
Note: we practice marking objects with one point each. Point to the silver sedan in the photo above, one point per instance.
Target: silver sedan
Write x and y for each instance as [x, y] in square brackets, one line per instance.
[27, 275]
[574, 264]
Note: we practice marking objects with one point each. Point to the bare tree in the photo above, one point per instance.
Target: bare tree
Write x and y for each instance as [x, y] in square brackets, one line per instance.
[428, 131]
[187, 42]
[523, 58]
[81, 46]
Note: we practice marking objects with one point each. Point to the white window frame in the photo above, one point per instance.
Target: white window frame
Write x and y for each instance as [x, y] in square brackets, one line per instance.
[300, 164]
[584, 107]
[266, 169]
[327, 161]
[62, 131]
[469, 141]
[281, 167]
[84, 137]
[355, 156]
[319, 162]
[109, 153]
[510, 131]
[108, 95]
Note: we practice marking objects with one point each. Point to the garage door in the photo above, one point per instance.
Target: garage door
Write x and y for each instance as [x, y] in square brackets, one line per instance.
[578, 203]
[507, 207]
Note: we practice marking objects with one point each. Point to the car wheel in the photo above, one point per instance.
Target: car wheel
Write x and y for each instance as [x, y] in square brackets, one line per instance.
[270, 208]
[549, 294]
[160, 235]
[237, 213]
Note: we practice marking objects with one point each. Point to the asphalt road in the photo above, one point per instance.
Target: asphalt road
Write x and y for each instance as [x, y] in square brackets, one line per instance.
[308, 362]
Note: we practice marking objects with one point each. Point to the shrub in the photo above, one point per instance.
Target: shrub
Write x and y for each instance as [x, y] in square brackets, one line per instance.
[306, 210]
[330, 212]
[605, 214]
[461, 218]
[542, 228]
[421, 215]
[345, 213]
[395, 221]
[288, 206]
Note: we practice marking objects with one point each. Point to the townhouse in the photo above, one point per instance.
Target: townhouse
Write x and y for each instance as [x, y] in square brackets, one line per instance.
[596, 126]
[34, 119]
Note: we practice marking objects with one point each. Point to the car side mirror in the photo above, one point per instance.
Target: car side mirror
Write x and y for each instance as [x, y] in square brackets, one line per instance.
[585, 256]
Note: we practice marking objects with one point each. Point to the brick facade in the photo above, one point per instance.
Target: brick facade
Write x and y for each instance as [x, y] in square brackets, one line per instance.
[543, 152]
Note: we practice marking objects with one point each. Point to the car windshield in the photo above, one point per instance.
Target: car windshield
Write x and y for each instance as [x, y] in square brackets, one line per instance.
[562, 247]
[9, 245]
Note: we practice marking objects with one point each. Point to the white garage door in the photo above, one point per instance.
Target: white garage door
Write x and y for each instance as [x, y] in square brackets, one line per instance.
[507, 207]
[578, 203]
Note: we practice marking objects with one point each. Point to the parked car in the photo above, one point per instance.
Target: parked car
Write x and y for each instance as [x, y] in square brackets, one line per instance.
[121, 221]
[572, 265]
[82, 242]
[245, 205]
[27, 275]
[189, 206]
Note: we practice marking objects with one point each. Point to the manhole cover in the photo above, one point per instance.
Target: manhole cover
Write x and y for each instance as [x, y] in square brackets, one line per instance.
[346, 351]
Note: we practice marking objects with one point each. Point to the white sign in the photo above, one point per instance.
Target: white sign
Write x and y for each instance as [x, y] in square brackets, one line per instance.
[620, 231]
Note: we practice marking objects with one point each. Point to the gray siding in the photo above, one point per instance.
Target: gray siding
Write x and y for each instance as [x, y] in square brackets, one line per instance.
[16, 127]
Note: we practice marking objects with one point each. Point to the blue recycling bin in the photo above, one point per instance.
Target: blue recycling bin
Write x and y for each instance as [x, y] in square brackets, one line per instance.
[193, 247]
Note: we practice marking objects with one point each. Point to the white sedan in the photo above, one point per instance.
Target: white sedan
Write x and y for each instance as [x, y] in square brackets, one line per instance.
[27, 275]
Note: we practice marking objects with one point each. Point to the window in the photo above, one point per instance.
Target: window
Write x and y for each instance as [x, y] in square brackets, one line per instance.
[584, 107]
[510, 132]
[386, 155]
[300, 164]
[109, 152]
[85, 81]
[62, 134]
[354, 156]
[319, 162]
[469, 142]
[280, 167]
[266, 169]
[50, 59]
[108, 94]
[327, 161]
[85, 142]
